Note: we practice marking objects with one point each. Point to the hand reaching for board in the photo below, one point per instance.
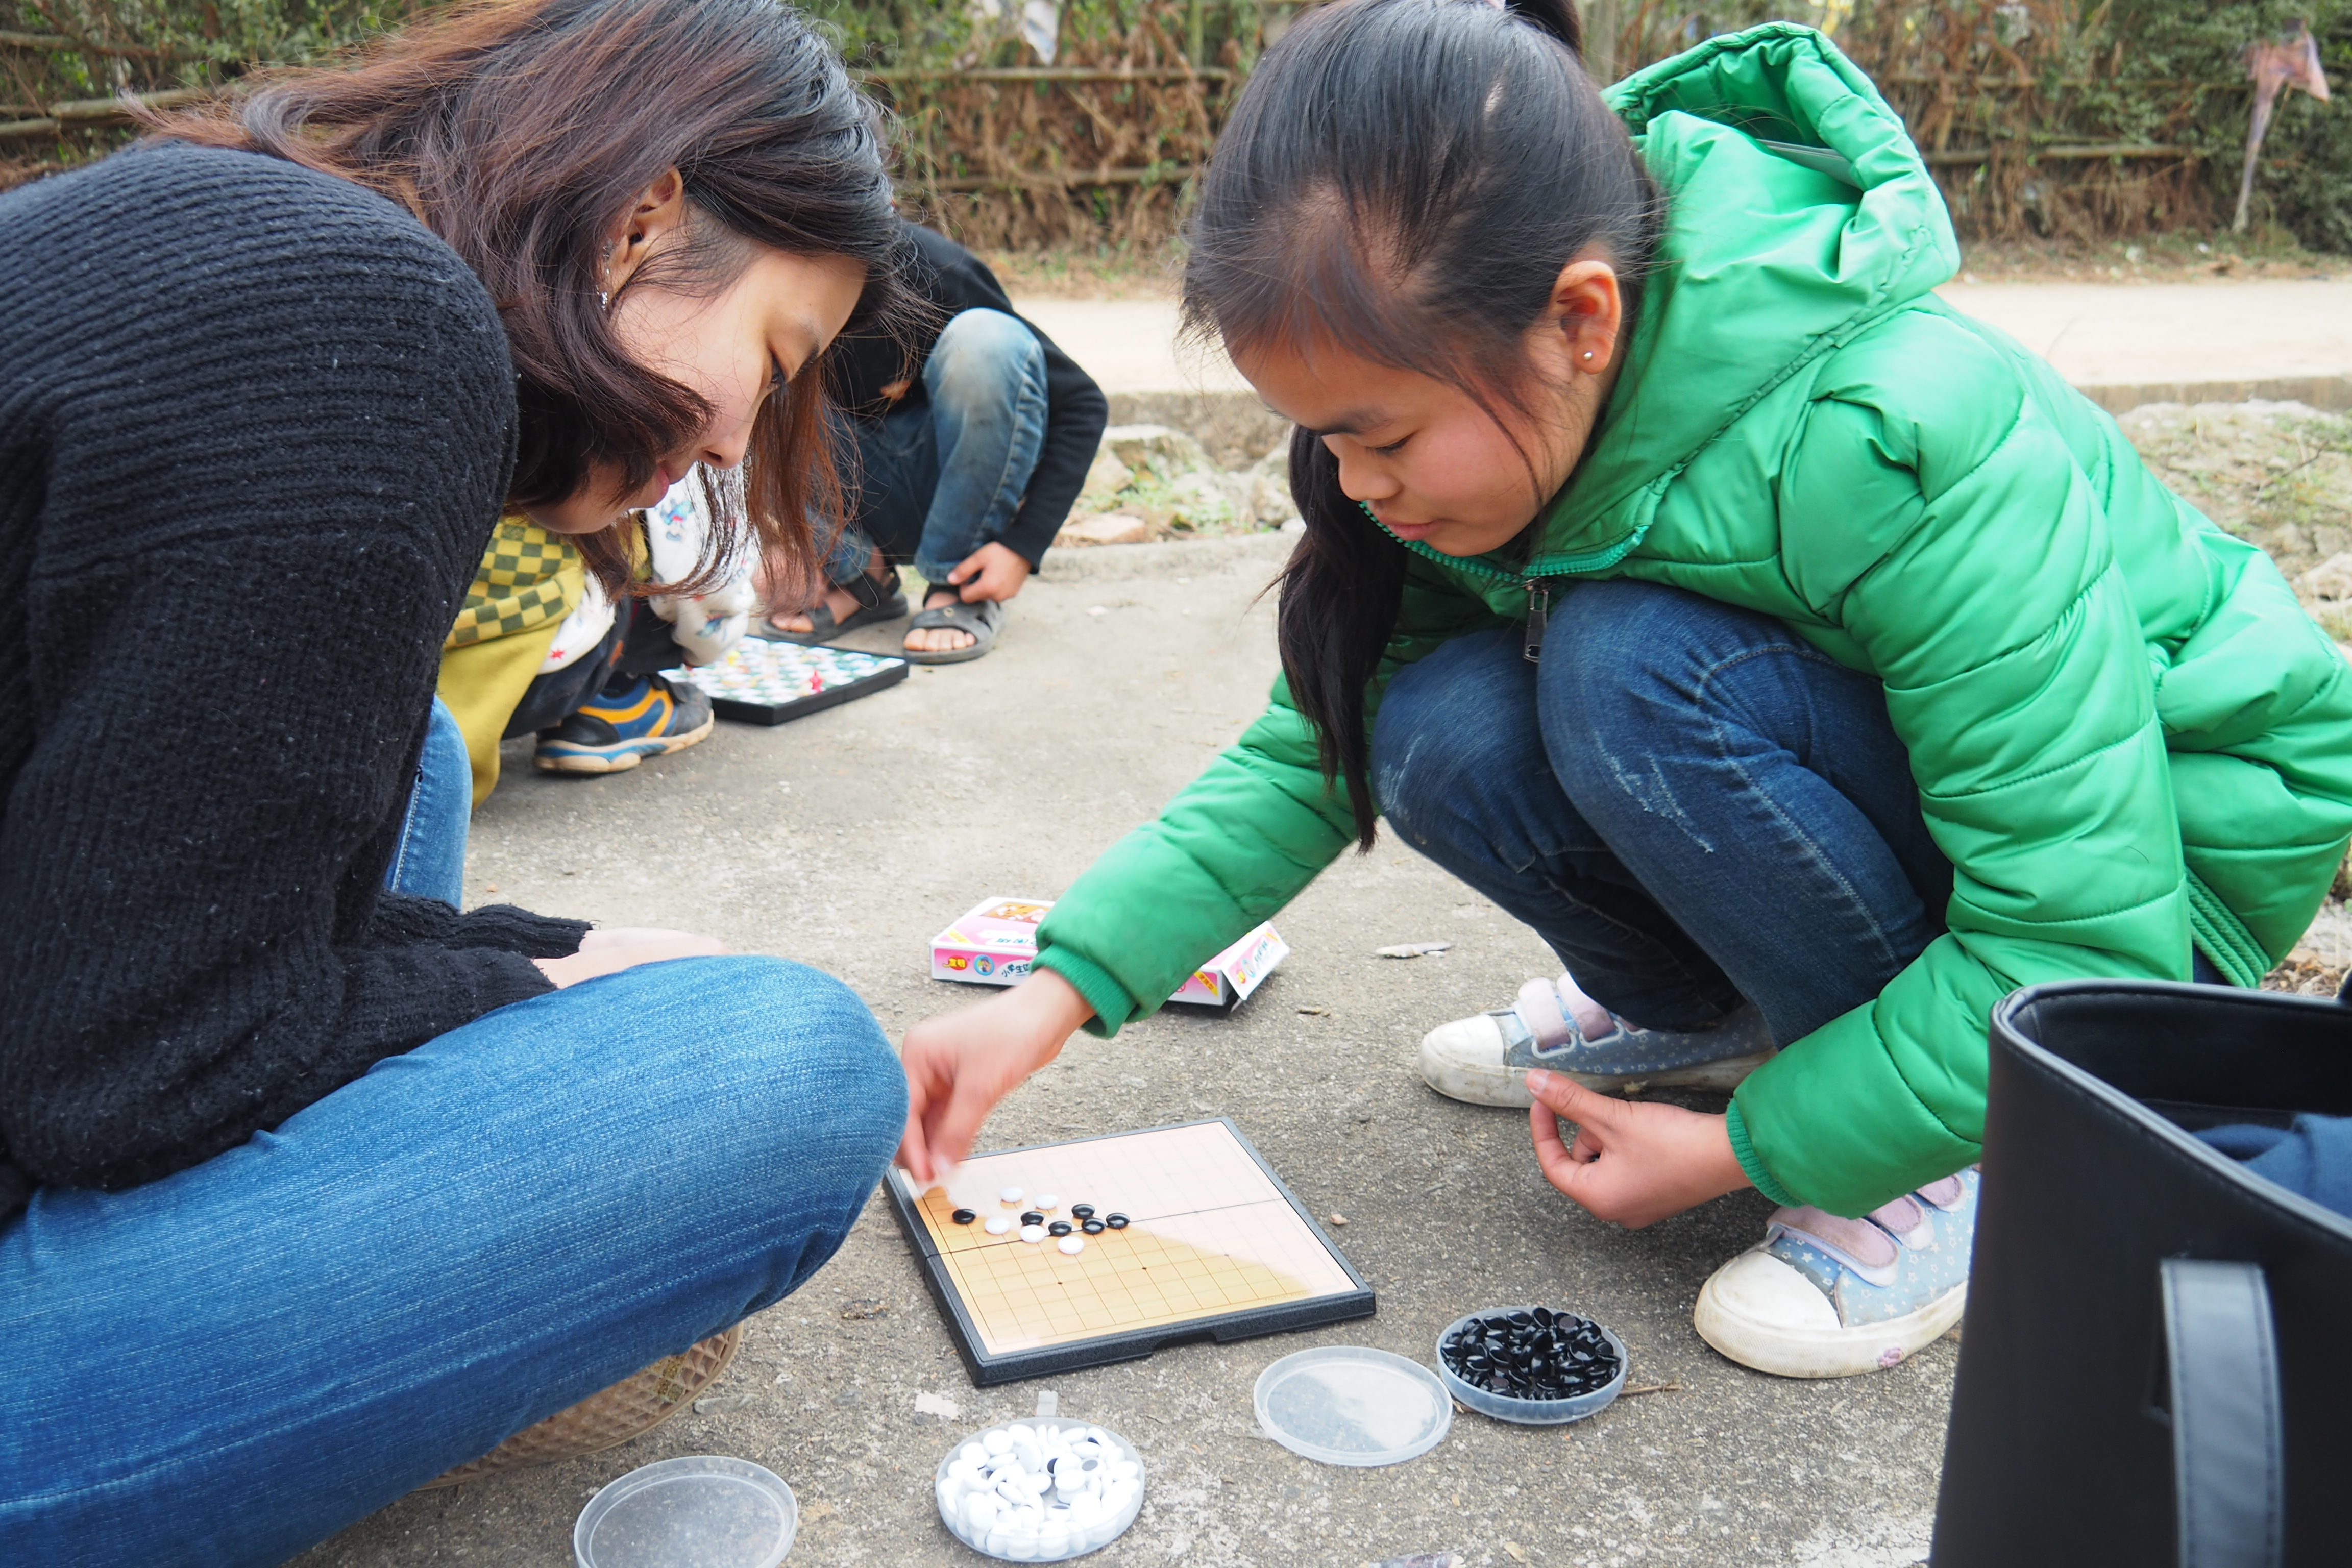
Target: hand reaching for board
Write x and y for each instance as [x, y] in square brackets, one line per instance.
[960, 1064]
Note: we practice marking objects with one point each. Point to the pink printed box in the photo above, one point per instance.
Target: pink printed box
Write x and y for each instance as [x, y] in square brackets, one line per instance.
[996, 942]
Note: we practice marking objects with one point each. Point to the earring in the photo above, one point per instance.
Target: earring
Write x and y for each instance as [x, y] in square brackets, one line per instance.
[1588, 356]
[605, 302]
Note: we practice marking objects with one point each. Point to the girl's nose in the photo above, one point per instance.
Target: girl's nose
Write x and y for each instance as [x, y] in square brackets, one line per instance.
[1361, 478]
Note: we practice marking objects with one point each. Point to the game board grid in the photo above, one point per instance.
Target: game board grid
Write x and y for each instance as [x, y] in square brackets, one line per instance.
[1212, 1234]
[1026, 1294]
[756, 670]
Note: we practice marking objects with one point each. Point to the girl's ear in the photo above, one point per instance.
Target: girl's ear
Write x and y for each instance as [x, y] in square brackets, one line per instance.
[1581, 321]
[655, 213]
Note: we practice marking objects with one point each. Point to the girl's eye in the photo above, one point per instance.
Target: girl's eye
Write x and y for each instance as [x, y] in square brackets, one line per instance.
[1391, 449]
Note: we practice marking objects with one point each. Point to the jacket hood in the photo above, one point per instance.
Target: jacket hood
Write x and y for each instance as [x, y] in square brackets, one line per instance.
[1799, 213]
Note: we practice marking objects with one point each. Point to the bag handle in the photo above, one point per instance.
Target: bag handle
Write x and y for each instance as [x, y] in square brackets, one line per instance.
[2228, 1439]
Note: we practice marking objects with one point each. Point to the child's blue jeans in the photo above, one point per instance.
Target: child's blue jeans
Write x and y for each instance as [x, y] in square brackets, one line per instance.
[1688, 802]
[231, 1364]
[937, 480]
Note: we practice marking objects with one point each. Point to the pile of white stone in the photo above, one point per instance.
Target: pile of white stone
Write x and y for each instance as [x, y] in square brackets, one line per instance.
[1040, 1492]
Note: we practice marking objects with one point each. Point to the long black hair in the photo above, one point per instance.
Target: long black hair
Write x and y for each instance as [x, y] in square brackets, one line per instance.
[1403, 180]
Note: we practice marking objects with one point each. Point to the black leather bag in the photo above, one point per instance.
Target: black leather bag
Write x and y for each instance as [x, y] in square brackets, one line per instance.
[2156, 1367]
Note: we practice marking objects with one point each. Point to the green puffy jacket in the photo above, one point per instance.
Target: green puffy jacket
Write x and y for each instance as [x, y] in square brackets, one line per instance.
[2128, 735]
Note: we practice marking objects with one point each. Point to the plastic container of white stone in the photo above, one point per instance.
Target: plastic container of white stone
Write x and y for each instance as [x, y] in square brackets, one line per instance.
[997, 1501]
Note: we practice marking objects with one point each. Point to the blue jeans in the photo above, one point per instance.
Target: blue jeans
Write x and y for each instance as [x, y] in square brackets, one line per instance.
[431, 859]
[231, 1364]
[935, 482]
[1686, 800]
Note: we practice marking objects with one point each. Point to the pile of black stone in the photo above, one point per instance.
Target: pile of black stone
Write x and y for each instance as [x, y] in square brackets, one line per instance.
[1533, 1353]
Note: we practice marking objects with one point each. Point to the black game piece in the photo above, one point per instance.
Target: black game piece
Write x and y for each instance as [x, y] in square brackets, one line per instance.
[1091, 1227]
[963, 1217]
[1082, 1211]
[1059, 1227]
[1033, 1217]
[1115, 1221]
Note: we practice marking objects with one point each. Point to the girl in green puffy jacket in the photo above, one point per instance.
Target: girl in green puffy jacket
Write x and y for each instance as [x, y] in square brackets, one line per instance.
[1806, 664]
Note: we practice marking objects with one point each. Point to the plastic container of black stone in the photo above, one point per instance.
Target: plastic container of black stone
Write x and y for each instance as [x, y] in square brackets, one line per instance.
[1545, 1401]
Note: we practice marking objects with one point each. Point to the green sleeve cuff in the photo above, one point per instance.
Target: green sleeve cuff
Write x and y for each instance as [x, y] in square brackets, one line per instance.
[1113, 1006]
[1736, 1125]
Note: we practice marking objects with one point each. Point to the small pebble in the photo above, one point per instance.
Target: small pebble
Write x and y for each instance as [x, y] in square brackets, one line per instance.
[1009, 1196]
[998, 1225]
[1339, 1219]
[1072, 1244]
[963, 1217]
[1033, 1233]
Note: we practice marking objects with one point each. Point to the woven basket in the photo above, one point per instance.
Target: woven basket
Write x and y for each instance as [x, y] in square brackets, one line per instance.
[630, 1408]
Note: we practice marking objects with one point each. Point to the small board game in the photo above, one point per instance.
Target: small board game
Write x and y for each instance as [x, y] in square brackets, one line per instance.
[995, 942]
[762, 682]
[1106, 1249]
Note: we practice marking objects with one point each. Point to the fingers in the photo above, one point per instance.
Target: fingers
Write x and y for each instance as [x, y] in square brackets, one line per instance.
[952, 1133]
[1572, 1100]
[914, 1147]
[1563, 1164]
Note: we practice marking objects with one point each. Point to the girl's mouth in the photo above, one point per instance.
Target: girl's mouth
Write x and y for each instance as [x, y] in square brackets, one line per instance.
[1409, 529]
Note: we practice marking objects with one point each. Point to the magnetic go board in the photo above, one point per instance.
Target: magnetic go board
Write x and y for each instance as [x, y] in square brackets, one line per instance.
[1215, 1247]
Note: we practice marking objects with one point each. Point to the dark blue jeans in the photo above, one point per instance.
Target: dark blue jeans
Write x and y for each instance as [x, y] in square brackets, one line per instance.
[938, 478]
[1688, 802]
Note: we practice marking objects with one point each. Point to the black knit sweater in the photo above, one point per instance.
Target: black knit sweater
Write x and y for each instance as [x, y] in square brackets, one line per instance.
[255, 427]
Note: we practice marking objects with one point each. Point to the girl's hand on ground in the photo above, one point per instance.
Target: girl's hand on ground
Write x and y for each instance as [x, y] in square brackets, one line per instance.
[625, 947]
[960, 1064]
[993, 572]
[1632, 1162]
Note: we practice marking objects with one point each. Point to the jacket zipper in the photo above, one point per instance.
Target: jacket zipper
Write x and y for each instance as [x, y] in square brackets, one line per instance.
[1538, 615]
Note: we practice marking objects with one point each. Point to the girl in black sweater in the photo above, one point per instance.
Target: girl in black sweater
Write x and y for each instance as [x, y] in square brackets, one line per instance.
[310, 1190]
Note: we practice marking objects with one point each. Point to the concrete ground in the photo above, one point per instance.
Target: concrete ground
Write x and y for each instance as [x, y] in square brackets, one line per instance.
[847, 838]
[2097, 334]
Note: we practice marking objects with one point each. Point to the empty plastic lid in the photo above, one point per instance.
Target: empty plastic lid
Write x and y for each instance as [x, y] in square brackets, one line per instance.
[704, 1510]
[1346, 1405]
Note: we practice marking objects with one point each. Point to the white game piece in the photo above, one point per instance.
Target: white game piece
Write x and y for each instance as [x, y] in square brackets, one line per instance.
[1032, 1233]
[972, 1453]
[1033, 1457]
[1125, 1470]
[999, 1225]
[1074, 1245]
[1022, 1432]
[998, 1542]
[1009, 1196]
[1037, 1483]
[997, 1442]
[1053, 1541]
[1046, 1202]
[980, 1511]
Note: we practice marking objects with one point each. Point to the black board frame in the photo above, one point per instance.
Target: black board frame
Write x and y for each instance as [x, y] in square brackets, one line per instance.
[988, 1371]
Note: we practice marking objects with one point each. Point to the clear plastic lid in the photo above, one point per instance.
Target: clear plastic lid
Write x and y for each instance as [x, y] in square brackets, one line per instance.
[1346, 1405]
[704, 1510]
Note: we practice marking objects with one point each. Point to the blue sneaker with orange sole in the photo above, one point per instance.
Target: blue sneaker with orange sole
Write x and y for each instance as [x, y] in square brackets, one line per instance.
[632, 719]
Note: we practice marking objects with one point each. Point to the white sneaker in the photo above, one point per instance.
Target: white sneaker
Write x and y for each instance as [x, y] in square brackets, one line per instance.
[1554, 1026]
[1825, 1297]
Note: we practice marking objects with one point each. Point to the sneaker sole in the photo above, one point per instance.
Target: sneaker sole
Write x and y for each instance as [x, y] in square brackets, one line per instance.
[622, 758]
[1507, 1086]
[1824, 1352]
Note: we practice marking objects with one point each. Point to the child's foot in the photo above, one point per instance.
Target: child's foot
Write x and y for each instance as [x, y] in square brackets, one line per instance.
[842, 609]
[1553, 1025]
[626, 722]
[950, 631]
[1824, 1297]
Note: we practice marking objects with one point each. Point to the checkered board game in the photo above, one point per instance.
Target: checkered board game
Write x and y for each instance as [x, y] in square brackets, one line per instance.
[1214, 1248]
[762, 682]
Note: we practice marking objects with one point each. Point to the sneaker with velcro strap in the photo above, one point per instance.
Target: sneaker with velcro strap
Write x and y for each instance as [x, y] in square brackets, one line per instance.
[634, 718]
[1826, 1297]
[1484, 1059]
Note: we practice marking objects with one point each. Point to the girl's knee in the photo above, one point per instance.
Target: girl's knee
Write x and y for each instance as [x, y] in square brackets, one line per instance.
[1461, 716]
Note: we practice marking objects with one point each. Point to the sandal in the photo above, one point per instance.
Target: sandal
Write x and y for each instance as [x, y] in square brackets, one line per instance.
[879, 599]
[979, 622]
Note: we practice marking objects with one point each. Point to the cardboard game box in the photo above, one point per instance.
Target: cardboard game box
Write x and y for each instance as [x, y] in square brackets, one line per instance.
[996, 942]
